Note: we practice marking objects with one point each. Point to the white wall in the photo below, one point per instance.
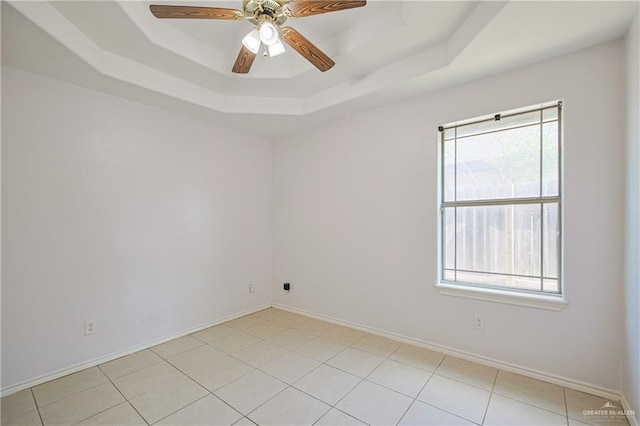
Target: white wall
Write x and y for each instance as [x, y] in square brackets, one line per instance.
[355, 220]
[631, 350]
[148, 222]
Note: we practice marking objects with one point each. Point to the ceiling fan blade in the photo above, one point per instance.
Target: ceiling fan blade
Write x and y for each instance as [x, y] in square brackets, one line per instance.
[244, 61]
[306, 49]
[302, 8]
[195, 12]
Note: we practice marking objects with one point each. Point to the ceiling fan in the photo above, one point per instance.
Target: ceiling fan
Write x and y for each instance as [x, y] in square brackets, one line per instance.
[268, 17]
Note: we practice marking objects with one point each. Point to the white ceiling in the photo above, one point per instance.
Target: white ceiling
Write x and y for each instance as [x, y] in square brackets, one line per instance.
[384, 52]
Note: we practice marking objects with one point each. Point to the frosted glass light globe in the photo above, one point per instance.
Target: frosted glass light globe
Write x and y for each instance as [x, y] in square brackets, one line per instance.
[252, 41]
[268, 33]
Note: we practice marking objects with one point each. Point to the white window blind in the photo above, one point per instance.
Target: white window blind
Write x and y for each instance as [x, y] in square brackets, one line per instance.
[501, 201]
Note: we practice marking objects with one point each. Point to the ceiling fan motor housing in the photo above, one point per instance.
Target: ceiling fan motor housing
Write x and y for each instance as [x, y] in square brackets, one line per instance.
[253, 9]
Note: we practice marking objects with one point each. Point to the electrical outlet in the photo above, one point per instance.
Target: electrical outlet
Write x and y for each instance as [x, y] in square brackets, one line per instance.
[89, 327]
[252, 288]
[478, 322]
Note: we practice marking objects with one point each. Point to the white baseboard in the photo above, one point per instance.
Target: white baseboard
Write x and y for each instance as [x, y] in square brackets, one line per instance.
[101, 360]
[633, 419]
[541, 375]
[609, 394]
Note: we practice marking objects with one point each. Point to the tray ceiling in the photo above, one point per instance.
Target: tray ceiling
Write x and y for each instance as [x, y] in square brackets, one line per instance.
[384, 52]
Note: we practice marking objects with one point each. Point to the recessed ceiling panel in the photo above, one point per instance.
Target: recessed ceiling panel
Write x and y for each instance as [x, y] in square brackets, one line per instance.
[385, 50]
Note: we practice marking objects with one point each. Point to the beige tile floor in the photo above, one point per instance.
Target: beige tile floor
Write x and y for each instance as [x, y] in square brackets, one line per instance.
[278, 368]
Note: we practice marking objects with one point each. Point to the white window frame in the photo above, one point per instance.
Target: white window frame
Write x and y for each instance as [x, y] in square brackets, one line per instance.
[529, 298]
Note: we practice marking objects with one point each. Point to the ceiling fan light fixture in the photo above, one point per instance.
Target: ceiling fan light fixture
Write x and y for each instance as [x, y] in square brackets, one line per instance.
[268, 33]
[252, 41]
[276, 49]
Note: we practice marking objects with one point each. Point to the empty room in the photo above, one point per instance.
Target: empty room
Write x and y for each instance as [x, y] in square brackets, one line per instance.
[320, 212]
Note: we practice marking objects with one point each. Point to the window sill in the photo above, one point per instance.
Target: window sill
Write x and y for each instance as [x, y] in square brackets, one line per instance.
[550, 303]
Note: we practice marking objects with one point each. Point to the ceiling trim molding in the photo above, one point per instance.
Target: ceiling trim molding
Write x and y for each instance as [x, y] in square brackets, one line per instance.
[49, 19]
[53, 23]
[172, 39]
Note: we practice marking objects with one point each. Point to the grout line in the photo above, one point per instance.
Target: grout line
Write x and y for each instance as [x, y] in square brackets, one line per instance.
[36, 404]
[278, 393]
[208, 392]
[125, 398]
[323, 414]
[226, 403]
[385, 357]
[464, 383]
[406, 411]
[154, 363]
[217, 397]
[566, 406]
[424, 386]
[249, 372]
[433, 373]
[198, 383]
[352, 389]
[415, 399]
[181, 408]
[448, 412]
[530, 405]
[345, 395]
[318, 366]
[493, 386]
[431, 405]
[70, 395]
[102, 411]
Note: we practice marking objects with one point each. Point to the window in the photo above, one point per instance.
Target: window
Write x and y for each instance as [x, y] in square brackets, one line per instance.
[501, 202]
